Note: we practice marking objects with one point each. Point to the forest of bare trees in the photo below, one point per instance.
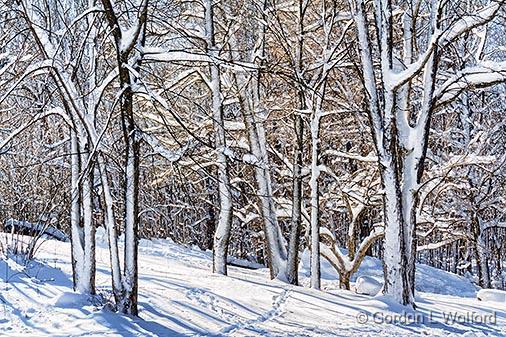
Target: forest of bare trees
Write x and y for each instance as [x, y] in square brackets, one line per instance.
[258, 129]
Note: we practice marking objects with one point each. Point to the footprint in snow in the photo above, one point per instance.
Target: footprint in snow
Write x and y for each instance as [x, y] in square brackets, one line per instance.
[209, 301]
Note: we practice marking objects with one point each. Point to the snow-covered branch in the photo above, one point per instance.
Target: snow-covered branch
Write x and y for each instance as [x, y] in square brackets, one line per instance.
[485, 74]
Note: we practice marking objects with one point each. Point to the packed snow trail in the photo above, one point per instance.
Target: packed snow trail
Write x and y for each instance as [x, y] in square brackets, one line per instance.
[179, 296]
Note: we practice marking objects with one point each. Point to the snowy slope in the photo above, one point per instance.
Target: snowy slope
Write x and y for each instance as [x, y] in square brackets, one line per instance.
[179, 296]
[429, 279]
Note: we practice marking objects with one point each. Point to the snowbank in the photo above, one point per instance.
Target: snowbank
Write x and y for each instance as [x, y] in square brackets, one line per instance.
[491, 295]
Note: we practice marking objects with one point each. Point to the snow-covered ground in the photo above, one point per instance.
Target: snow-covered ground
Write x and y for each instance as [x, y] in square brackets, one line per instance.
[180, 296]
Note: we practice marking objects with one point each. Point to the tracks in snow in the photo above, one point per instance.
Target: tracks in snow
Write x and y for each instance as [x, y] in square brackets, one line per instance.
[212, 303]
[277, 309]
[209, 301]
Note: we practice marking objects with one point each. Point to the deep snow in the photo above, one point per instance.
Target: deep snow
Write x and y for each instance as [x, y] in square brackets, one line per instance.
[180, 296]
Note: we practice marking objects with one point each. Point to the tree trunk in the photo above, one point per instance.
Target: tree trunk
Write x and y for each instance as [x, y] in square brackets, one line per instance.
[76, 233]
[129, 301]
[396, 270]
[82, 226]
[344, 281]
[209, 225]
[409, 208]
[223, 229]
[315, 198]
[482, 264]
[273, 237]
[112, 235]
[251, 109]
[296, 221]
[87, 284]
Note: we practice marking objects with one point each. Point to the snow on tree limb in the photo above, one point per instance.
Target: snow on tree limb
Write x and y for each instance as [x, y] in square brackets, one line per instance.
[469, 22]
[369, 158]
[170, 155]
[33, 120]
[485, 74]
[442, 38]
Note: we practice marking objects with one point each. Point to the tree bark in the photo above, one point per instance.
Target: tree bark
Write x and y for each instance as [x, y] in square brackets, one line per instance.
[124, 50]
[87, 279]
[112, 235]
[76, 231]
[296, 221]
[224, 227]
[344, 281]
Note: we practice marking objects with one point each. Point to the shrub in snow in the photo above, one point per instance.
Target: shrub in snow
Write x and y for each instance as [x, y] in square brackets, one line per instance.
[491, 295]
[367, 286]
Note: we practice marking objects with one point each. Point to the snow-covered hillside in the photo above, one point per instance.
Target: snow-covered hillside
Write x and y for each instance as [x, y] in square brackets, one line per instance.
[180, 296]
[428, 279]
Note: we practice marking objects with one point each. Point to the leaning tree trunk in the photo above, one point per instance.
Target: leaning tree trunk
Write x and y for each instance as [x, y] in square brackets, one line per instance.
[250, 108]
[273, 237]
[248, 92]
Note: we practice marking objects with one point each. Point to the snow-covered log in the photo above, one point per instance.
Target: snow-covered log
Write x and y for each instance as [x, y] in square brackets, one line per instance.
[34, 229]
